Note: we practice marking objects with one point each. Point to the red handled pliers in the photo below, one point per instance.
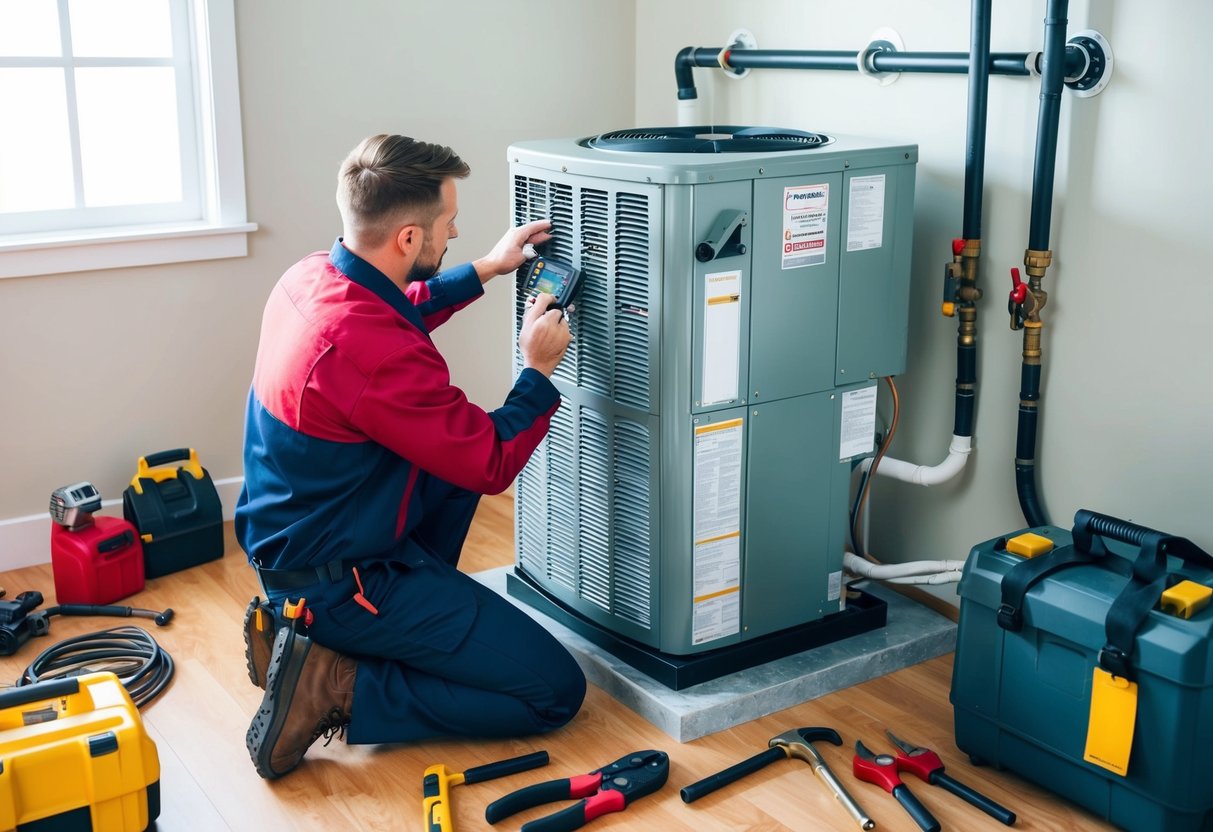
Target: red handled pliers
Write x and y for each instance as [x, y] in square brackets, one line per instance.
[881, 769]
[925, 764]
[605, 790]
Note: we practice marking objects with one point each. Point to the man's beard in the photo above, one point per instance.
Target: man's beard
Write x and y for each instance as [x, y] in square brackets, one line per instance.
[422, 271]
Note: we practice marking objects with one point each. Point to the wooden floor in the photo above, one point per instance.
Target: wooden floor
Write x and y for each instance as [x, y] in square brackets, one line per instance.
[208, 782]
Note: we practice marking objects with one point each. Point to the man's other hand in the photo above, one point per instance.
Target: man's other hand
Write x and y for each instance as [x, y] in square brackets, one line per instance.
[545, 335]
[508, 255]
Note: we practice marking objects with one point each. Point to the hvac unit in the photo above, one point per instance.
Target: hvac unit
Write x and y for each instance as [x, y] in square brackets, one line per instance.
[742, 291]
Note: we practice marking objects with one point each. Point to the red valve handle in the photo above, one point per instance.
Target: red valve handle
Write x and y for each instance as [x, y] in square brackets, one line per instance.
[958, 245]
[1019, 289]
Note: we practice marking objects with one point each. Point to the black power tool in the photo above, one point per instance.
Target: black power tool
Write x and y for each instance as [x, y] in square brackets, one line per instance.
[19, 622]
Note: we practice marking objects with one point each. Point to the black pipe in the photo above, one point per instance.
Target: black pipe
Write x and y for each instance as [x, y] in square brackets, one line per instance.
[975, 138]
[1000, 63]
[1053, 73]
[975, 161]
[966, 389]
[1053, 76]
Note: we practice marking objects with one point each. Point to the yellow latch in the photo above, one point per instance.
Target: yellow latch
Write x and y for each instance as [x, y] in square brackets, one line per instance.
[1185, 599]
[1029, 545]
[948, 309]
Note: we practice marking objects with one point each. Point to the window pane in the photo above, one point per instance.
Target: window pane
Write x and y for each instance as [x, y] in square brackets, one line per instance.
[35, 151]
[130, 148]
[29, 29]
[121, 29]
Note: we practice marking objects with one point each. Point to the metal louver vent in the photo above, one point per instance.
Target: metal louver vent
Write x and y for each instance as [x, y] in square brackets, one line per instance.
[631, 346]
[631, 543]
[593, 487]
[583, 515]
[561, 497]
[717, 138]
[591, 321]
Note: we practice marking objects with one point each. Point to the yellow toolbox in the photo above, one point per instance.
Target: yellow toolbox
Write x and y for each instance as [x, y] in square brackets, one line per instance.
[74, 756]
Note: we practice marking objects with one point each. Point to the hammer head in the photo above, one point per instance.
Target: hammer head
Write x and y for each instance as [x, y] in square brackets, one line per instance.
[799, 742]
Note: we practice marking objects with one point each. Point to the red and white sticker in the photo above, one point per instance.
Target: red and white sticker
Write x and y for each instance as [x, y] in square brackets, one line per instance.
[806, 217]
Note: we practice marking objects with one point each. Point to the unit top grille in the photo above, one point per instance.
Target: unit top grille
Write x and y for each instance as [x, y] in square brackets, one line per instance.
[716, 138]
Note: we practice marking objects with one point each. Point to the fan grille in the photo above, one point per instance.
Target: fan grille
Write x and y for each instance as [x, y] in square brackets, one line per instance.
[708, 139]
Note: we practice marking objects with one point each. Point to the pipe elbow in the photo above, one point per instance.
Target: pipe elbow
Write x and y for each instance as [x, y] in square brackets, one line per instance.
[958, 455]
[684, 77]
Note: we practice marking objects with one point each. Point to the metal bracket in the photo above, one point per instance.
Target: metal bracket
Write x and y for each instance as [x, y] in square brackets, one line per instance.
[740, 39]
[1097, 68]
[883, 39]
[725, 238]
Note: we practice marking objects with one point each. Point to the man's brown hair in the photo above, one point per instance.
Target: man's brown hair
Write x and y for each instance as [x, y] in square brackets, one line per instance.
[390, 179]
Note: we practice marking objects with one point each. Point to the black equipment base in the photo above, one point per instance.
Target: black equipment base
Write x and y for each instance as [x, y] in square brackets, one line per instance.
[863, 614]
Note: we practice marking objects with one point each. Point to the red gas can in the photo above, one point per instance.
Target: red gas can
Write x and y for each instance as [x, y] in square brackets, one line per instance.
[97, 564]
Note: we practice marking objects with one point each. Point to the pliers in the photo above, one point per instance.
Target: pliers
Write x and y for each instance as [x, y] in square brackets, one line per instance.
[926, 765]
[608, 789]
[881, 769]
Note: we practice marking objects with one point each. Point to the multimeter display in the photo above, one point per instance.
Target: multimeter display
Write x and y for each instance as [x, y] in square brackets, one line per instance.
[554, 278]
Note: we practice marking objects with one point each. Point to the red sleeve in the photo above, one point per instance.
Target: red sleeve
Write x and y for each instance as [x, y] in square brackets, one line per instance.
[410, 406]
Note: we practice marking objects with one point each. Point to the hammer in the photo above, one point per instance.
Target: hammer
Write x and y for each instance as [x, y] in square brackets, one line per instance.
[796, 743]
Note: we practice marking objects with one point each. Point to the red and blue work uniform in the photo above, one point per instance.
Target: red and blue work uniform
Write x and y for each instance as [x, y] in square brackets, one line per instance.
[363, 466]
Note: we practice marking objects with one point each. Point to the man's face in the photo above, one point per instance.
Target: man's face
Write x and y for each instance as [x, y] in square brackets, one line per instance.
[429, 261]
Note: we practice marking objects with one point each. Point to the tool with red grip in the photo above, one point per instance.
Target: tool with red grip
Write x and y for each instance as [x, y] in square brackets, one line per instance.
[608, 789]
[925, 764]
[881, 769]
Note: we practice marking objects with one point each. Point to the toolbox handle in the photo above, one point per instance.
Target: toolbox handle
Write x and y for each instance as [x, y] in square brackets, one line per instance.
[1090, 523]
[152, 467]
[16, 697]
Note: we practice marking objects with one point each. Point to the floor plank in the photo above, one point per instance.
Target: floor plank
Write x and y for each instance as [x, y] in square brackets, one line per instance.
[208, 782]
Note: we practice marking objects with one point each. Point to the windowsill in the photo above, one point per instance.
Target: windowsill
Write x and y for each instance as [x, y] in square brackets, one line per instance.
[112, 248]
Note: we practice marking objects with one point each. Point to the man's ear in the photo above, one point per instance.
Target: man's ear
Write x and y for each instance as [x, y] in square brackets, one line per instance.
[410, 239]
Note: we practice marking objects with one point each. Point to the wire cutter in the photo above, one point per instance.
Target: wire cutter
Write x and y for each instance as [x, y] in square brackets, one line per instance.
[881, 769]
[925, 764]
[608, 789]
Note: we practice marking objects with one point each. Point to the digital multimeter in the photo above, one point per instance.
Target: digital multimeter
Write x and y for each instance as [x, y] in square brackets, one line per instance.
[555, 278]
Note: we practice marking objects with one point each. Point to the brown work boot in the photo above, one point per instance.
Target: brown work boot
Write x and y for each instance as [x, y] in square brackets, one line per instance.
[260, 627]
[308, 694]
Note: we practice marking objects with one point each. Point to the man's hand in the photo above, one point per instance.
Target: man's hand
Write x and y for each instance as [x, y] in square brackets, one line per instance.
[544, 336]
[507, 255]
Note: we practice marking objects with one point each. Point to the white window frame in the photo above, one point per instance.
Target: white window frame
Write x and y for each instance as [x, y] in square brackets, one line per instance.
[223, 228]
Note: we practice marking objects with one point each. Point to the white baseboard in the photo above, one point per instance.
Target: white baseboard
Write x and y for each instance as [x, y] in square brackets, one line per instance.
[25, 541]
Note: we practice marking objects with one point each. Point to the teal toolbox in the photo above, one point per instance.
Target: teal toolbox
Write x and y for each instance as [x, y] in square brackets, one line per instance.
[1022, 681]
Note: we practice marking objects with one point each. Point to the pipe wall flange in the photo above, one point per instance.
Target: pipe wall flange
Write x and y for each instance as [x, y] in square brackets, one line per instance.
[740, 39]
[1097, 69]
[883, 39]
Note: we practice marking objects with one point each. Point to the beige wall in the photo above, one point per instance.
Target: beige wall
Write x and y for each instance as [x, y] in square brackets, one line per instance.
[1128, 380]
[98, 368]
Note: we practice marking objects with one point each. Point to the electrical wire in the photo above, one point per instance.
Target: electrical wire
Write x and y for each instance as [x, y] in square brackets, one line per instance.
[865, 488]
[130, 653]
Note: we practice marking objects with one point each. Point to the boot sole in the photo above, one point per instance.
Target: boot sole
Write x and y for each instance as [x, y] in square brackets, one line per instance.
[286, 664]
[250, 633]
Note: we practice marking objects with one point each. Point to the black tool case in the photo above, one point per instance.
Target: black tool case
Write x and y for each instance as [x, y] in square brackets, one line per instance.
[176, 510]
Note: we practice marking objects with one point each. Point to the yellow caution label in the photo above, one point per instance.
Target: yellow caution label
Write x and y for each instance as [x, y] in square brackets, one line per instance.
[1113, 718]
[1029, 545]
[1185, 599]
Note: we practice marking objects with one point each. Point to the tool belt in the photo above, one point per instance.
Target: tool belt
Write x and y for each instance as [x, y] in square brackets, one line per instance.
[286, 580]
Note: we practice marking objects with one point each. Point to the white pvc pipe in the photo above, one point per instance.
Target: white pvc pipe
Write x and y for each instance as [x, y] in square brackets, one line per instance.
[688, 112]
[958, 455]
[941, 578]
[892, 571]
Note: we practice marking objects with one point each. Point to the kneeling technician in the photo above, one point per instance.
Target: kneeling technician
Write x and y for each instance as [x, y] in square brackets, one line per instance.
[363, 466]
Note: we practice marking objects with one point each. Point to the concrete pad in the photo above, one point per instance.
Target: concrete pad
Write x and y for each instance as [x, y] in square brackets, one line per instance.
[913, 634]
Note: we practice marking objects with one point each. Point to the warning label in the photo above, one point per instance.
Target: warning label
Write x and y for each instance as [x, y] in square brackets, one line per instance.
[806, 216]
